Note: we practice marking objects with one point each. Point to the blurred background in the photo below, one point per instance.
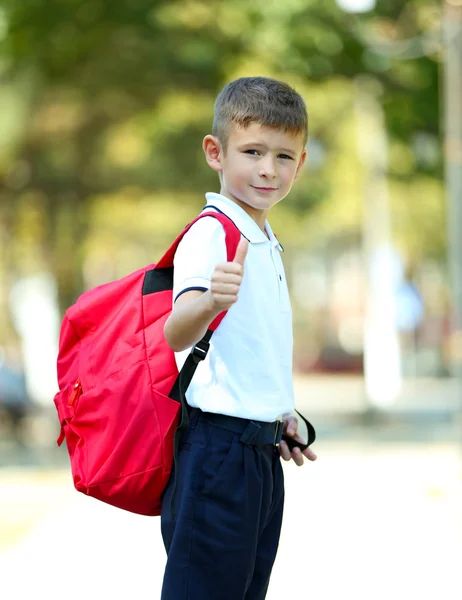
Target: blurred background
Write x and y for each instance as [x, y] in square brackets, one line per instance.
[103, 108]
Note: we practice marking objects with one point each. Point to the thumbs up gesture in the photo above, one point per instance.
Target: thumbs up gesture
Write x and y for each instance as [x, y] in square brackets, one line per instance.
[227, 279]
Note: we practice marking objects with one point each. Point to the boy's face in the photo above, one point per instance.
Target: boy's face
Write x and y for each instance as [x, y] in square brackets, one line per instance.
[259, 167]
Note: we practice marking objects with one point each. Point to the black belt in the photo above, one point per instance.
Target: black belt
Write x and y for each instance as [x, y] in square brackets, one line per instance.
[253, 433]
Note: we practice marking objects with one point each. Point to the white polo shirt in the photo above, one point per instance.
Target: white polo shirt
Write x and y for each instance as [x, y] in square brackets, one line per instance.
[248, 370]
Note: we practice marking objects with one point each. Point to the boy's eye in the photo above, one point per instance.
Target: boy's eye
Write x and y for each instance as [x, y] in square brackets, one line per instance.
[284, 156]
[252, 152]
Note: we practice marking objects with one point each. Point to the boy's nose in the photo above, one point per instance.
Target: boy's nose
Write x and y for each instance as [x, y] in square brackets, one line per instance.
[267, 168]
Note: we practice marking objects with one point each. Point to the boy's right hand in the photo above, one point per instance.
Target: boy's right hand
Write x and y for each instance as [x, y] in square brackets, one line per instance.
[227, 279]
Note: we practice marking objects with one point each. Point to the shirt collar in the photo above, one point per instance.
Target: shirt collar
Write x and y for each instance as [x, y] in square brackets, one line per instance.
[242, 220]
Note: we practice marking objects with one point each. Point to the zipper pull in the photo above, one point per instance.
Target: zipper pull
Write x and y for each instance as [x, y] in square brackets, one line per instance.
[76, 392]
[60, 440]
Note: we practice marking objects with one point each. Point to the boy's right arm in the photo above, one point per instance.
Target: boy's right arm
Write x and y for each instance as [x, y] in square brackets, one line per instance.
[194, 310]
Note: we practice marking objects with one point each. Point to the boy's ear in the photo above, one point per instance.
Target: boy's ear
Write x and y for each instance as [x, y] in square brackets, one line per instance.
[212, 150]
[301, 163]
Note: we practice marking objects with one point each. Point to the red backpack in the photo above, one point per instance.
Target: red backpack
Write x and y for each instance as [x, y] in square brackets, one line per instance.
[121, 396]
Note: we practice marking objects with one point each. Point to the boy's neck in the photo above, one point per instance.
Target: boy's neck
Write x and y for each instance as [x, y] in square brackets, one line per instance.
[259, 216]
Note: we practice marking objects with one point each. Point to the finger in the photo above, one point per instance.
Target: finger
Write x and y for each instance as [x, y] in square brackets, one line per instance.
[241, 251]
[229, 268]
[220, 276]
[291, 426]
[310, 455]
[219, 287]
[284, 451]
[297, 457]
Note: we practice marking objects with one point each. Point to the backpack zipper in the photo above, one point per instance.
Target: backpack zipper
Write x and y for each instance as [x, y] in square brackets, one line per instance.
[76, 392]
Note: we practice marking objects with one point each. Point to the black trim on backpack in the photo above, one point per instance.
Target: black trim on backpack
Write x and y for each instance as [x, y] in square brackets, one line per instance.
[158, 280]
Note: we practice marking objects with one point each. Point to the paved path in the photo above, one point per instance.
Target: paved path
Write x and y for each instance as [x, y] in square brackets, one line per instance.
[365, 522]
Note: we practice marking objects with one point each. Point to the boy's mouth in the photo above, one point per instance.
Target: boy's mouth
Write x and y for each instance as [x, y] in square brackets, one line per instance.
[264, 189]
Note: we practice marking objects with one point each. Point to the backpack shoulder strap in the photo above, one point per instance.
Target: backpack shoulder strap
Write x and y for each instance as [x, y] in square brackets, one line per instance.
[200, 350]
[232, 238]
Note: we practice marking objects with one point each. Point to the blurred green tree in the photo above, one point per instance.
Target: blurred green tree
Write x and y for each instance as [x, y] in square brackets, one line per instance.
[108, 102]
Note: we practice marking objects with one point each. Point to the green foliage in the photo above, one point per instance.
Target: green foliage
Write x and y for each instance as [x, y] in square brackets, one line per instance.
[109, 102]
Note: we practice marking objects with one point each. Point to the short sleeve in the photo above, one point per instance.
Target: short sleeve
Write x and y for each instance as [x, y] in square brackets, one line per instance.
[200, 250]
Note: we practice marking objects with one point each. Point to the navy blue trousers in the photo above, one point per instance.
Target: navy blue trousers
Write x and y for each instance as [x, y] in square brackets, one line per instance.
[222, 543]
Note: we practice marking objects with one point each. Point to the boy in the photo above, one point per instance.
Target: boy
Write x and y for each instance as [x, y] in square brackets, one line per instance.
[222, 542]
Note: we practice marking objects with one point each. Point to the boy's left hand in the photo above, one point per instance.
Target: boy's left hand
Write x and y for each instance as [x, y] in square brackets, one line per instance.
[290, 429]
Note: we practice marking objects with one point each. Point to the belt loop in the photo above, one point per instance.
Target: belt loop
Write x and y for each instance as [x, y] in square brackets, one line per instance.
[250, 433]
[194, 414]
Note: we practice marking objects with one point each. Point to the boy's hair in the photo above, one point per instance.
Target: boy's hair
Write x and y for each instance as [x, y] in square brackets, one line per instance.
[262, 100]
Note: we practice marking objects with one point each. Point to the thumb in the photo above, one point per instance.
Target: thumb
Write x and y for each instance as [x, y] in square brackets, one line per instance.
[241, 251]
[292, 426]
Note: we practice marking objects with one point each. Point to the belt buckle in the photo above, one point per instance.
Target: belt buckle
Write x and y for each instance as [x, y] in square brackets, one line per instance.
[278, 432]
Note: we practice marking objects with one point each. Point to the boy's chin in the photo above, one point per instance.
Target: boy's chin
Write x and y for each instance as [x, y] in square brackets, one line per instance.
[262, 203]
[252, 200]
[252, 204]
